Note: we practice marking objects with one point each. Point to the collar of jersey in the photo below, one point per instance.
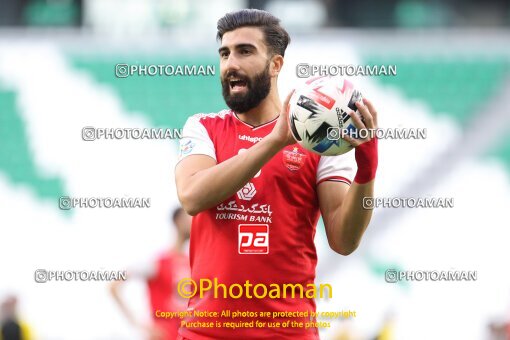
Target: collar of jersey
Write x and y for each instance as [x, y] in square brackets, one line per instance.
[258, 126]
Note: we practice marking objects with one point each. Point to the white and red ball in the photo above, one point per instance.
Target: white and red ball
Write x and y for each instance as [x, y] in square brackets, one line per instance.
[318, 112]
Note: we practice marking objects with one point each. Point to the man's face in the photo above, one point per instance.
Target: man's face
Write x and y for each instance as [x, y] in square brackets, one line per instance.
[244, 68]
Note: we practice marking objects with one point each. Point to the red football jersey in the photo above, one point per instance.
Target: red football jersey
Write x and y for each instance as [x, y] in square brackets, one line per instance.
[162, 285]
[264, 233]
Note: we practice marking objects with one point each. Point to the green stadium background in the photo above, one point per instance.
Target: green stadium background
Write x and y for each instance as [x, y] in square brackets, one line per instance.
[50, 90]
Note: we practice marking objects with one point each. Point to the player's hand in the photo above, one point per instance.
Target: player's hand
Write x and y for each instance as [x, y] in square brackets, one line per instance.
[369, 122]
[366, 153]
[281, 132]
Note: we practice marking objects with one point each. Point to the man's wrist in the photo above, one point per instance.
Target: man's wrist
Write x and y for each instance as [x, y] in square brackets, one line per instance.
[366, 156]
[274, 142]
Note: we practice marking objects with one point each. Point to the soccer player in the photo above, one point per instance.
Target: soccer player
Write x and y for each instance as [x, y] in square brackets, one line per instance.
[162, 276]
[255, 194]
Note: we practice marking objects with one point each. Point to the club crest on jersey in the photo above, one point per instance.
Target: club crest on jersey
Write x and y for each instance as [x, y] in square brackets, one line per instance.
[294, 159]
[253, 239]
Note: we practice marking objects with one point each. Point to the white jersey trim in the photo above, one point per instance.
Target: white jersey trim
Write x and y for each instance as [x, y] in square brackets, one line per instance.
[195, 139]
[337, 168]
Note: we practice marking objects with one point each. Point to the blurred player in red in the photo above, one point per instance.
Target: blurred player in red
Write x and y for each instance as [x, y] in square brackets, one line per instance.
[162, 276]
[255, 194]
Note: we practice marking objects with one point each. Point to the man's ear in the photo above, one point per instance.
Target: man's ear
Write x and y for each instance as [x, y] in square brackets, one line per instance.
[276, 65]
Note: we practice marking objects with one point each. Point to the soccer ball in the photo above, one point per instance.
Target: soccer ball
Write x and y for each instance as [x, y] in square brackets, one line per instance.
[318, 113]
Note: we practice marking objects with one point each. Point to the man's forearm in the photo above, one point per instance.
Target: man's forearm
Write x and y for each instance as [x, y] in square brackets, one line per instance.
[211, 186]
[354, 218]
[114, 291]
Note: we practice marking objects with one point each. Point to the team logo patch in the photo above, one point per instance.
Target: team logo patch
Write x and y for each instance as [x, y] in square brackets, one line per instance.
[294, 159]
[253, 239]
[187, 146]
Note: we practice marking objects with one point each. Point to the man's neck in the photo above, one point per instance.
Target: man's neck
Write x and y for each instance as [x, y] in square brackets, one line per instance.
[265, 112]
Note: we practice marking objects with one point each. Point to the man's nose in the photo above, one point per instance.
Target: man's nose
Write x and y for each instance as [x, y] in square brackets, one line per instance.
[231, 64]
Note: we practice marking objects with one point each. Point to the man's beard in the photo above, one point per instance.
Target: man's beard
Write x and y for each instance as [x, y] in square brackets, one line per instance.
[257, 89]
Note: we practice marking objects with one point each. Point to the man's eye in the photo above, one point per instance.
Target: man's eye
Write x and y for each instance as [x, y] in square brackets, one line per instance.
[224, 54]
[245, 52]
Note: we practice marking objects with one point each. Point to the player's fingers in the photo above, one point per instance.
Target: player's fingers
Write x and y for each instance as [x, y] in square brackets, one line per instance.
[365, 113]
[356, 120]
[287, 100]
[353, 141]
[372, 110]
